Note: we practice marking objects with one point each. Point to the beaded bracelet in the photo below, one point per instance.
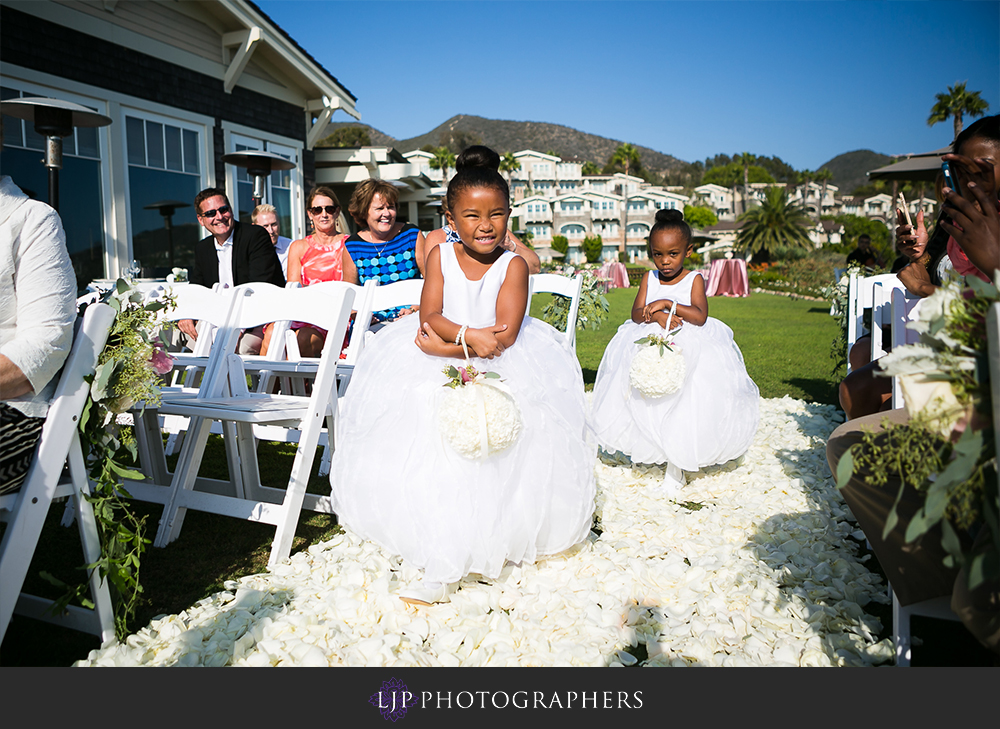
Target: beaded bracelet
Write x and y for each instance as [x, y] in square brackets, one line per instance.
[461, 333]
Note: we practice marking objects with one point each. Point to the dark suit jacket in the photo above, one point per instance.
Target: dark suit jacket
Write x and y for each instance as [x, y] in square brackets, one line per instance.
[254, 258]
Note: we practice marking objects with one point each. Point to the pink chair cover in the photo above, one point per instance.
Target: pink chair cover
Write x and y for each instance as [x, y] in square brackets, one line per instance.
[728, 277]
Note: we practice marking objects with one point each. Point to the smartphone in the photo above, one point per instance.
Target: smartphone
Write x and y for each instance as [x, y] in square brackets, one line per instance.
[906, 211]
[949, 178]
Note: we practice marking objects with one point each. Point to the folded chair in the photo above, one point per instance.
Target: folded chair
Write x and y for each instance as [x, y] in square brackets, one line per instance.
[224, 396]
[860, 291]
[25, 511]
[564, 286]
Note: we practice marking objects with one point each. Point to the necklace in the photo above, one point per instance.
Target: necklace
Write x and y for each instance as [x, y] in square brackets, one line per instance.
[375, 245]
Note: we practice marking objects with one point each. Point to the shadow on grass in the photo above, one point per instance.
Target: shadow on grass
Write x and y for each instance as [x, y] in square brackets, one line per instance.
[819, 390]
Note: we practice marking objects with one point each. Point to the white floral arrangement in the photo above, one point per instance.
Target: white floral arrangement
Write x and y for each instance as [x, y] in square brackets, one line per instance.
[479, 416]
[658, 368]
[927, 370]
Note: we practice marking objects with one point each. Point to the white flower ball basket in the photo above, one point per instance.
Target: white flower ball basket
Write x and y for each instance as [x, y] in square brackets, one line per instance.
[478, 419]
[656, 374]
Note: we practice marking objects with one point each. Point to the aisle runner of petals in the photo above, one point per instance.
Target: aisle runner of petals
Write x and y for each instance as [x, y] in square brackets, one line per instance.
[750, 565]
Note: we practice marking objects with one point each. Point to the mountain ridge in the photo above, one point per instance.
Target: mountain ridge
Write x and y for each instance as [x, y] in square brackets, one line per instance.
[849, 169]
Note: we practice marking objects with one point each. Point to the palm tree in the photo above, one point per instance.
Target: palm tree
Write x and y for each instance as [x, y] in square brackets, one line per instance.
[776, 222]
[625, 156]
[955, 104]
[823, 176]
[444, 160]
[805, 177]
[746, 159]
[509, 165]
[589, 168]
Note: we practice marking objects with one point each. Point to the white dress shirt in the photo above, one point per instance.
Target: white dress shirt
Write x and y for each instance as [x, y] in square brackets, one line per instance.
[225, 253]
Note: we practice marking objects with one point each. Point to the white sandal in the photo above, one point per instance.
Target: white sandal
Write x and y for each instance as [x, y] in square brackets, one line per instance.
[425, 593]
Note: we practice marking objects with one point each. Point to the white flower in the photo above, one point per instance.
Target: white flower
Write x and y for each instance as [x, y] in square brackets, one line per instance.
[932, 397]
[655, 374]
[465, 410]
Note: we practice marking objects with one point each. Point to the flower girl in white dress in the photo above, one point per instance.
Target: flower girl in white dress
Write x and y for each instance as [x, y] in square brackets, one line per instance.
[688, 404]
[460, 478]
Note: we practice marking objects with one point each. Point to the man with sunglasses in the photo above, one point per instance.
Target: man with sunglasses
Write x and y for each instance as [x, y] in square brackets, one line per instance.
[234, 254]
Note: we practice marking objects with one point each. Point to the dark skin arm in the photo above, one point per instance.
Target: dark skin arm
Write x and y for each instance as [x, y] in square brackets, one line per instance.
[659, 311]
[487, 342]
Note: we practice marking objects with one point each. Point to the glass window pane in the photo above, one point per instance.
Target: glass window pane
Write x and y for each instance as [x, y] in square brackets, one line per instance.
[32, 139]
[154, 144]
[157, 246]
[80, 205]
[69, 144]
[136, 141]
[86, 142]
[13, 134]
[173, 142]
[190, 151]
[282, 200]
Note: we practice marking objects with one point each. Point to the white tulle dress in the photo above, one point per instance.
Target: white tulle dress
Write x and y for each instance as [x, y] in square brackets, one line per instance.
[711, 419]
[396, 481]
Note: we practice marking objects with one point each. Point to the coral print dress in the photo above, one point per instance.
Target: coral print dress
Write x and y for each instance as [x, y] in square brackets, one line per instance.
[321, 262]
[396, 479]
[710, 419]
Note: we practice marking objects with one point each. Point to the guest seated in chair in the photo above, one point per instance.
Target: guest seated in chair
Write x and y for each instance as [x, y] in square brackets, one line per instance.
[234, 254]
[37, 312]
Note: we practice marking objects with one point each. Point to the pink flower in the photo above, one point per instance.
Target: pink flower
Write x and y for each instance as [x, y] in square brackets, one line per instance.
[464, 372]
[161, 362]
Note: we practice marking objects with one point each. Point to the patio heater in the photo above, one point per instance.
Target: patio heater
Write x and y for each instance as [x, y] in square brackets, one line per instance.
[258, 165]
[166, 208]
[53, 119]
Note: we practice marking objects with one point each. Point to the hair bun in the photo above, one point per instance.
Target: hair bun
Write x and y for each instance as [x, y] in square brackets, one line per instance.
[477, 156]
[669, 216]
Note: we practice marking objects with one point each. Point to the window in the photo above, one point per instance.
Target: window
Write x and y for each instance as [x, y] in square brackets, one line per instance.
[540, 231]
[567, 185]
[637, 205]
[573, 231]
[81, 201]
[571, 207]
[164, 166]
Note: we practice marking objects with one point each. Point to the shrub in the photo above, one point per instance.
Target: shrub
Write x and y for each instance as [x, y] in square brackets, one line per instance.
[593, 248]
[560, 243]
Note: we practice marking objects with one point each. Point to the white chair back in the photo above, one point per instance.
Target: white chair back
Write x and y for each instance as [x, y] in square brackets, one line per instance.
[28, 508]
[860, 291]
[571, 288]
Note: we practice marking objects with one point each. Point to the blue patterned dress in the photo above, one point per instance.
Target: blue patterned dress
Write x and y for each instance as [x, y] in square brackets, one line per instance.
[395, 260]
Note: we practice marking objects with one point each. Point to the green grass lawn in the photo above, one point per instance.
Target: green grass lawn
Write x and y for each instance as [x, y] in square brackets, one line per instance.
[786, 344]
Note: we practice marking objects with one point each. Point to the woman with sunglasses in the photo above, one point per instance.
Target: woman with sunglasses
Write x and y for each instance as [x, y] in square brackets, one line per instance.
[317, 257]
[383, 247]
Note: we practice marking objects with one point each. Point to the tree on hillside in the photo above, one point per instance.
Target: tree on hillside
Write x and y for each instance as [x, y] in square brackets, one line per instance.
[698, 216]
[346, 137]
[823, 177]
[508, 166]
[955, 104]
[589, 168]
[458, 141]
[777, 222]
[443, 160]
[745, 159]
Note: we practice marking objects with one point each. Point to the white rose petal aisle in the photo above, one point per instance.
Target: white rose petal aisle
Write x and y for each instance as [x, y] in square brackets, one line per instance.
[751, 565]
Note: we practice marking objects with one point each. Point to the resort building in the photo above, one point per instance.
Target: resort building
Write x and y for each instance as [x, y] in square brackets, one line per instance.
[183, 83]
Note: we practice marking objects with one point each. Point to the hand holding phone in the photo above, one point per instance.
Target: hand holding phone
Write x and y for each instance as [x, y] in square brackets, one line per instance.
[950, 180]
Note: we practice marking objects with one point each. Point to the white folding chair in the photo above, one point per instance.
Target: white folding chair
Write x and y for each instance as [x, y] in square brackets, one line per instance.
[901, 311]
[882, 320]
[564, 286]
[25, 511]
[224, 396]
[859, 298]
[306, 365]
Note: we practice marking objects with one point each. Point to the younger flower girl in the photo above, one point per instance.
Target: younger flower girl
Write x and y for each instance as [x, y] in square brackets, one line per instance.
[461, 478]
[672, 387]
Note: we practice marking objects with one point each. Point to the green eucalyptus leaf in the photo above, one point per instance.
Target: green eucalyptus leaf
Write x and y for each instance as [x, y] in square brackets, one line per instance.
[491, 375]
[51, 579]
[919, 524]
[121, 286]
[845, 468]
[893, 518]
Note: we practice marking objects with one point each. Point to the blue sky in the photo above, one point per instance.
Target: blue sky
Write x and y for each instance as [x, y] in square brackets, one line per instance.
[805, 81]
